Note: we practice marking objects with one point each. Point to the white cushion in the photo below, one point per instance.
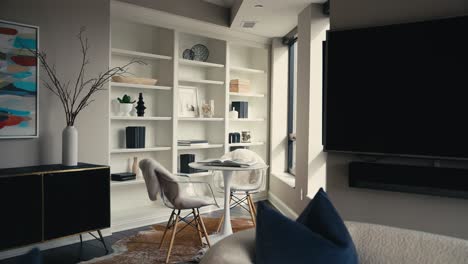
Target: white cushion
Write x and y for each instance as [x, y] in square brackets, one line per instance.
[375, 244]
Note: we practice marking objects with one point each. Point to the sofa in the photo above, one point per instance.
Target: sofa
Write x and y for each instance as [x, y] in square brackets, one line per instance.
[375, 244]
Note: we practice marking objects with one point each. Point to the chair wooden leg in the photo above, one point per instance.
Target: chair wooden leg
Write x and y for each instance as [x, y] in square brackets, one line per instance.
[168, 226]
[203, 227]
[251, 210]
[253, 205]
[222, 217]
[197, 223]
[174, 231]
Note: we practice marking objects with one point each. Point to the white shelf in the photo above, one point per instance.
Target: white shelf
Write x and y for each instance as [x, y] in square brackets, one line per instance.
[140, 86]
[143, 118]
[200, 63]
[209, 146]
[247, 94]
[202, 81]
[127, 183]
[138, 54]
[138, 150]
[247, 120]
[246, 144]
[247, 70]
[204, 119]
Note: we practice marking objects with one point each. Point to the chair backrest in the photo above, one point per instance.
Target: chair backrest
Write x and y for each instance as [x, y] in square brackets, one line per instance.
[159, 180]
[246, 180]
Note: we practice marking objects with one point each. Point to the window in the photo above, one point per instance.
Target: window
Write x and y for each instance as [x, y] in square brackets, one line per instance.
[292, 99]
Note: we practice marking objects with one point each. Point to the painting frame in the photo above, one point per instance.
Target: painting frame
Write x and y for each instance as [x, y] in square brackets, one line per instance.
[188, 94]
[36, 33]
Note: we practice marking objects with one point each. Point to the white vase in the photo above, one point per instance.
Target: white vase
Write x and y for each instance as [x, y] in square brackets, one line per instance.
[126, 109]
[70, 146]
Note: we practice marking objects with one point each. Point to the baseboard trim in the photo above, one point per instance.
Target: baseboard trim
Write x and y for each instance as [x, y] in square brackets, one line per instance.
[145, 221]
[281, 206]
[59, 242]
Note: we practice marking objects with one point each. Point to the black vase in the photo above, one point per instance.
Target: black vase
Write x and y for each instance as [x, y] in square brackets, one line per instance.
[140, 106]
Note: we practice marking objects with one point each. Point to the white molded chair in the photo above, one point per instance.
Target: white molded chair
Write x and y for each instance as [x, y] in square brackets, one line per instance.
[178, 193]
[243, 184]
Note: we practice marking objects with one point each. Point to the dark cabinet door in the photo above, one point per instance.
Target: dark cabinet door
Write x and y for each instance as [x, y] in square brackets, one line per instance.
[20, 210]
[76, 202]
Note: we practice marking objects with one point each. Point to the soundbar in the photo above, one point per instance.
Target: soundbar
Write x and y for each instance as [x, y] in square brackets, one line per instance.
[447, 182]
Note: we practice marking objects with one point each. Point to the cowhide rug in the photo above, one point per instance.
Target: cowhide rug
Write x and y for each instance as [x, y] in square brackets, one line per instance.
[143, 248]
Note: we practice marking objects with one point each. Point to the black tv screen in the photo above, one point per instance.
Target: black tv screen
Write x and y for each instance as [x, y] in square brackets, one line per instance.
[398, 90]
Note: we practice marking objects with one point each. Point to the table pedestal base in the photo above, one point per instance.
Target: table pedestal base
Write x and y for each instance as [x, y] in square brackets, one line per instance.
[226, 229]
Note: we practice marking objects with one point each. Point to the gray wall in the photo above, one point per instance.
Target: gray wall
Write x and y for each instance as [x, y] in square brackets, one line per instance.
[432, 214]
[59, 22]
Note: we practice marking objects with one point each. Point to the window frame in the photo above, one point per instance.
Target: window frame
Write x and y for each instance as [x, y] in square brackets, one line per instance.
[291, 94]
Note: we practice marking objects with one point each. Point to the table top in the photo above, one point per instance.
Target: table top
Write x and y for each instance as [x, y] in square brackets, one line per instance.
[257, 166]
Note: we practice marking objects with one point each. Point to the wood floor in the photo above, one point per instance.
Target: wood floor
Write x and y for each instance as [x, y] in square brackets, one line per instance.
[72, 254]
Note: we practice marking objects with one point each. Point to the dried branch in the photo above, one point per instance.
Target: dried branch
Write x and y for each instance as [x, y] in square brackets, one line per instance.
[77, 97]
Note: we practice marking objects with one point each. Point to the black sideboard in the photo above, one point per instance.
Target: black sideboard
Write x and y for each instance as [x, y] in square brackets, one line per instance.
[45, 202]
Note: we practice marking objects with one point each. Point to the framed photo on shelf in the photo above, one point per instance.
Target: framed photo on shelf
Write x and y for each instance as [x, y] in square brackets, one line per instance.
[188, 101]
[19, 98]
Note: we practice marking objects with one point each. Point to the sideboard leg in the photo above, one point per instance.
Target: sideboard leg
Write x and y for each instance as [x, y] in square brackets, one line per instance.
[103, 241]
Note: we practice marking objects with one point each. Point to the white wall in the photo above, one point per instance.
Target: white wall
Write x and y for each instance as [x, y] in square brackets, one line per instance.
[59, 22]
[310, 166]
[427, 213]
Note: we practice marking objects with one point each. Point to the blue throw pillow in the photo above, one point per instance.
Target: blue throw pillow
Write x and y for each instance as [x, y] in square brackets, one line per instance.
[324, 240]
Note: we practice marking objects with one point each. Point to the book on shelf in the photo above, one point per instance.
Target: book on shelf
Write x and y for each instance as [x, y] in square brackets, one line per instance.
[239, 86]
[228, 163]
[123, 176]
[192, 142]
[185, 160]
[242, 108]
[135, 136]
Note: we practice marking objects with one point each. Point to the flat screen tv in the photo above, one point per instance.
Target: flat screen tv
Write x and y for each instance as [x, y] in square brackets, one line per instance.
[398, 90]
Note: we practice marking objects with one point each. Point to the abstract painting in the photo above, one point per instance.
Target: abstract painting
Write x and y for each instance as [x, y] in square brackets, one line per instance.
[18, 80]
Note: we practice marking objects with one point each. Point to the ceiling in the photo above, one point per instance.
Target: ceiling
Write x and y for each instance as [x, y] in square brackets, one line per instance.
[275, 19]
[223, 3]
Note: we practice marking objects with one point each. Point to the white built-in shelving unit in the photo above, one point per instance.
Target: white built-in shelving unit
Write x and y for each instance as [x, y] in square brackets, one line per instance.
[160, 46]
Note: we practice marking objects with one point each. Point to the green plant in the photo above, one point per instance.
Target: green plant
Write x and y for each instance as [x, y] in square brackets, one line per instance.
[126, 100]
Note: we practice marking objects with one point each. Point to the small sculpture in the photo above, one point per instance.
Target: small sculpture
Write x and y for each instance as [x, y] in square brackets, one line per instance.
[208, 109]
[140, 106]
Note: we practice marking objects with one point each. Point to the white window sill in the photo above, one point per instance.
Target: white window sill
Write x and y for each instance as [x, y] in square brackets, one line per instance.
[285, 177]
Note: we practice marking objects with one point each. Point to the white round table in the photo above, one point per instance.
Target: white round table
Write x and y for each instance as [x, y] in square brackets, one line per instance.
[226, 229]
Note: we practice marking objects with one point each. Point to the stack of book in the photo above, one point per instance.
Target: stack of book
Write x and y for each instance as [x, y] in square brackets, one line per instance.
[185, 160]
[239, 86]
[192, 142]
[135, 137]
[242, 108]
[124, 176]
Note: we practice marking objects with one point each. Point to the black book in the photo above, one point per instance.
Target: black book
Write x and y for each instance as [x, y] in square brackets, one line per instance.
[135, 137]
[130, 137]
[124, 176]
[141, 137]
[245, 109]
[238, 107]
[185, 160]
